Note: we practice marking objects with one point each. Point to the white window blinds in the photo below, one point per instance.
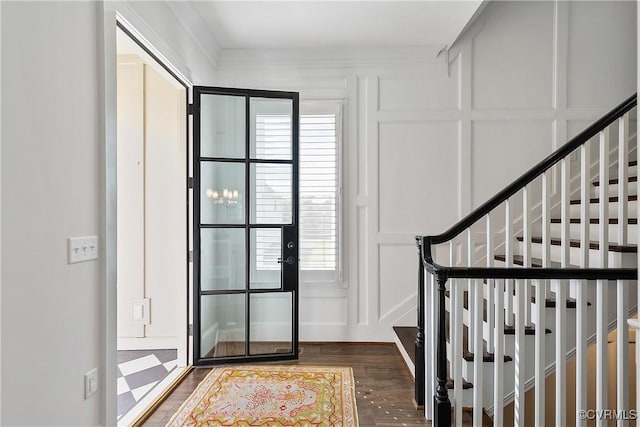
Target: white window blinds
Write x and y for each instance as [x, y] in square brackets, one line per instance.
[318, 192]
[318, 186]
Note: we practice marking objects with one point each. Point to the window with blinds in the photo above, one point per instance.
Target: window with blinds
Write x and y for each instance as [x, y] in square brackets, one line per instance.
[318, 192]
[318, 197]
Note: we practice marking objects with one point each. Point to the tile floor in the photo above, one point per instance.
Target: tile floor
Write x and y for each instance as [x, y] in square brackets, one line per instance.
[138, 372]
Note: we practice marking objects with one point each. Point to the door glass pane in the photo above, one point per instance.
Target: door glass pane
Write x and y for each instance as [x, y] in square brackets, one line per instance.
[222, 126]
[271, 201]
[271, 130]
[266, 249]
[222, 259]
[222, 325]
[270, 325]
[222, 193]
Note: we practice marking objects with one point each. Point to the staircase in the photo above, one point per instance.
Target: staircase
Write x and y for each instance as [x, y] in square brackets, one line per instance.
[565, 233]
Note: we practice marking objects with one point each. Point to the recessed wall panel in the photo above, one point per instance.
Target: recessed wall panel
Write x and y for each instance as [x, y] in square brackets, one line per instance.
[435, 89]
[398, 276]
[323, 311]
[418, 176]
[504, 150]
[513, 56]
[598, 56]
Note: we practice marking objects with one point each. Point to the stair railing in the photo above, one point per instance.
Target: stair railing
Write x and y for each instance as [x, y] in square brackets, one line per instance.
[490, 301]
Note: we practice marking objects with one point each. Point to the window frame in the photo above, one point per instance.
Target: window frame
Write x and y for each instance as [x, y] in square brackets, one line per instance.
[331, 277]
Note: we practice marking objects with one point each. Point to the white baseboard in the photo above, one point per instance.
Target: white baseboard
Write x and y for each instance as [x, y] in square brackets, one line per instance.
[150, 343]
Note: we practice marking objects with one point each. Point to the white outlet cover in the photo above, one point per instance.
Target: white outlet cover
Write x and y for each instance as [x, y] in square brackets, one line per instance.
[90, 383]
[81, 249]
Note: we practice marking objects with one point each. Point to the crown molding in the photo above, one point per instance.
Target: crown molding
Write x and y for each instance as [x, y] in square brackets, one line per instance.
[193, 24]
[397, 56]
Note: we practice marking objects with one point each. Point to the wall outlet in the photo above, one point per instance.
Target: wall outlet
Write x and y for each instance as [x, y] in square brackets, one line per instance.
[81, 249]
[90, 383]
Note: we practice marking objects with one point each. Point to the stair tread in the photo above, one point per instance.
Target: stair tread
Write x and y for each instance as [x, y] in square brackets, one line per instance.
[469, 356]
[535, 262]
[575, 243]
[528, 330]
[612, 221]
[549, 302]
[407, 336]
[615, 181]
[612, 199]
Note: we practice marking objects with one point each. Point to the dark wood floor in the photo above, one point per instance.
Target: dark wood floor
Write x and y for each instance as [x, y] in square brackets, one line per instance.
[384, 387]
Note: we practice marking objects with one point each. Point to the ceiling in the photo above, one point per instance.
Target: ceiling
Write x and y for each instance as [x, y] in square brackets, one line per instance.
[333, 24]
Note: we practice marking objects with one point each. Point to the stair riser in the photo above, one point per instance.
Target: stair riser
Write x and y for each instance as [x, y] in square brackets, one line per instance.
[574, 232]
[632, 189]
[632, 209]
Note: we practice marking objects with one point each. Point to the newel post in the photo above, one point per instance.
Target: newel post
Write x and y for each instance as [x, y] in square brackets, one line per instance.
[441, 402]
[420, 362]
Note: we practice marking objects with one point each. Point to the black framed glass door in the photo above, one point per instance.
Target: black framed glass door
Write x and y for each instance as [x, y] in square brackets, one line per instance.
[245, 225]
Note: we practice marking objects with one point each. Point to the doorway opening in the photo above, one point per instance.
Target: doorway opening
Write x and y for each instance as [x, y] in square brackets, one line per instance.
[152, 229]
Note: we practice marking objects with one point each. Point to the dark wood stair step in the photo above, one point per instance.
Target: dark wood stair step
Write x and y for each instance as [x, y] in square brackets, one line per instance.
[528, 330]
[407, 336]
[519, 260]
[469, 355]
[574, 243]
[615, 181]
[631, 221]
[613, 199]
[549, 302]
[465, 384]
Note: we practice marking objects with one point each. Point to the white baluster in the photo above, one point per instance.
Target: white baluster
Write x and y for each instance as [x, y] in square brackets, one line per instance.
[540, 355]
[520, 355]
[457, 290]
[622, 383]
[622, 344]
[452, 311]
[490, 284]
[602, 299]
[561, 296]
[498, 342]
[546, 226]
[455, 336]
[623, 176]
[478, 355]
[508, 245]
[470, 291]
[526, 252]
[541, 296]
[430, 343]
[581, 301]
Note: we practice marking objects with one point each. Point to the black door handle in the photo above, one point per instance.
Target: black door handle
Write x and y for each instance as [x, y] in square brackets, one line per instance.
[290, 260]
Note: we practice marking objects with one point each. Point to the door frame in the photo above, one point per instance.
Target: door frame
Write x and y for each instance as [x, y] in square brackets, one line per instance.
[288, 282]
[109, 20]
[183, 338]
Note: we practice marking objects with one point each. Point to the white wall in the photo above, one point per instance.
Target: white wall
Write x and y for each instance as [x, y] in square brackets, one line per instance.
[151, 238]
[522, 80]
[51, 327]
[53, 315]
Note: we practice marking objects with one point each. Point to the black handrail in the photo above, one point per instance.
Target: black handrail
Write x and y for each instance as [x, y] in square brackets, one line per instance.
[536, 171]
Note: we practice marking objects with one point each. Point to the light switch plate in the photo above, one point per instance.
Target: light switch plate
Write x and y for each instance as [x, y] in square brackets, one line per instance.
[140, 310]
[90, 383]
[81, 249]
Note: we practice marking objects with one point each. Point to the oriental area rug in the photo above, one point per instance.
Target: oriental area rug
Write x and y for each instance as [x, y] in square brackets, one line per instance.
[271, 396]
